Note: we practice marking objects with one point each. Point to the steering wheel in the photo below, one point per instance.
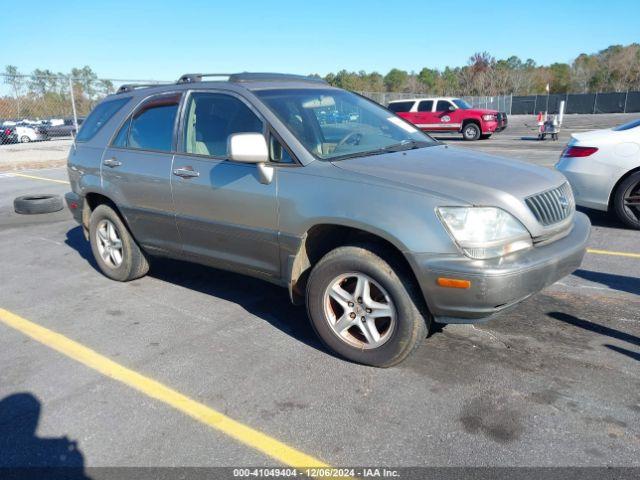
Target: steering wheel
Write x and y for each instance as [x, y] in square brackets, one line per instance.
[353, 138]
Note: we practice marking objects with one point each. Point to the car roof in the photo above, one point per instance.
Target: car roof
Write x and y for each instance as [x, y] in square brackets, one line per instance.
[231, 81]
[423, 98]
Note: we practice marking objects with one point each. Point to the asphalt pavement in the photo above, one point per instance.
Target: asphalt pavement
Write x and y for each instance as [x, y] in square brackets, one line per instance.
[552, 383]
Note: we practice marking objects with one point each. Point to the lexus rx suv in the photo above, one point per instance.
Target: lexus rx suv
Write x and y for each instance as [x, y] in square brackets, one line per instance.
[378, 228]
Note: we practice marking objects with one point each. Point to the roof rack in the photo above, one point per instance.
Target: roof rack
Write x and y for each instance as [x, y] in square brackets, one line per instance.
[248, 77]
[197, 77]
[130, 87]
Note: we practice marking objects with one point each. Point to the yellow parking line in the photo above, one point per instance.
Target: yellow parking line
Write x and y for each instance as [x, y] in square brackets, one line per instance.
[242, 433]
[33, 177]
[615, 254]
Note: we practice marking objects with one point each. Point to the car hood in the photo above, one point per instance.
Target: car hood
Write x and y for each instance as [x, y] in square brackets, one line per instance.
[467, 176]
[481, 111]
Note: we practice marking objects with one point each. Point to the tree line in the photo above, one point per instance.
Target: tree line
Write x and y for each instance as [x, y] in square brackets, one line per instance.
[43, 93]
[614, 69]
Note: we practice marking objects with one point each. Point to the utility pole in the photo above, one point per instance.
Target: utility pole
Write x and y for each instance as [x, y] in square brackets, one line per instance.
[73, 105]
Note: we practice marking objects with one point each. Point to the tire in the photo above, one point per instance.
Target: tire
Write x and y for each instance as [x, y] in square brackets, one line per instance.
[132, 263]
[471, 131]
[33, 204]
[485, 137]
[630, 186]
[24, 139]
[404, 330]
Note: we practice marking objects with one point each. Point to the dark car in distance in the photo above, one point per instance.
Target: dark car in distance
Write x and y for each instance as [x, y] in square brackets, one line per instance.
[67, 129]
[8, 135]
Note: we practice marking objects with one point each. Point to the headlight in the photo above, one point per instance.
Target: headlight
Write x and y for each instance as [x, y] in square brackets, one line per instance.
[485, 232]
[487, 117]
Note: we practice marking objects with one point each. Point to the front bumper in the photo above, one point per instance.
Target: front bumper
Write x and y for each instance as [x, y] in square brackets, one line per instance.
[500, 283]
[502, 121]
[13, 138]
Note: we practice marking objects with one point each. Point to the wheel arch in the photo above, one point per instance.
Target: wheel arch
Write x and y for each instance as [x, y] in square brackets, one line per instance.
[320, 239]
[91, 200]
[617, 184]
[467, 121]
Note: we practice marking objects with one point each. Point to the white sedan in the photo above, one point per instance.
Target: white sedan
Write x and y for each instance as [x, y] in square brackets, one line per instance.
[603, 168]
[30, 133]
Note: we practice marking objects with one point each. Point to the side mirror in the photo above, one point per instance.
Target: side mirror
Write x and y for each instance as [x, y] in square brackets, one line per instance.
[452, 108]
[251, 148]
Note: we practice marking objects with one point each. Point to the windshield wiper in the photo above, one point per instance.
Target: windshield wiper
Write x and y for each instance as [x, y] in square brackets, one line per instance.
[396, 147]
[405, 145]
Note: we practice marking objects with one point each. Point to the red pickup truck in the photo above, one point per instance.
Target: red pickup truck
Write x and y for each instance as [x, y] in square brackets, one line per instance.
[448, 114]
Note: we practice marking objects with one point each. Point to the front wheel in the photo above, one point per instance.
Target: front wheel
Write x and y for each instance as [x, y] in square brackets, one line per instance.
[471, 131]
[364, 308]
[25, 139]
[116, 252]
[626, 201]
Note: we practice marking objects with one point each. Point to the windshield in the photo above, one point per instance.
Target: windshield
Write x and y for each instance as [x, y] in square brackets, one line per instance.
[461, 104]
[335, 124]
[627, 126]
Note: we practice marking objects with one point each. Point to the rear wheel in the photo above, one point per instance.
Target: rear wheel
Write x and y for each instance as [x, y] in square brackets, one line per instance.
[25, 139]
[364, 308]
[471, 131]
[626, 201]
[116, 252]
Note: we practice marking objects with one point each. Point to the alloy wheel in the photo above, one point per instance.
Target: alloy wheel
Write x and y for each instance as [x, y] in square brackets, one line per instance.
[359, 310]
[631, 201]
[109, 243]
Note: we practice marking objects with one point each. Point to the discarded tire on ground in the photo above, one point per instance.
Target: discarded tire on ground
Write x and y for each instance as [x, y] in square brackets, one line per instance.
[31, 204]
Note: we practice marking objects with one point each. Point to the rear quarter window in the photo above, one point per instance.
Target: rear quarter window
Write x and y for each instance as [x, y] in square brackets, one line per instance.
[99, 117]
[400, 106]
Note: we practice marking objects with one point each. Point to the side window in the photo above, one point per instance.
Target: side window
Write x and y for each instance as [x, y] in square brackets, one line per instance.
[278, 153]
[443, 106]
[152, 124]
[399, 107]
[425, 106]
[122, 138]
[99, 117]
[211, 118]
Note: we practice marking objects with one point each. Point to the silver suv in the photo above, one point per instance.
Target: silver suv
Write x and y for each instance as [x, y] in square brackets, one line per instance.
[380, 229]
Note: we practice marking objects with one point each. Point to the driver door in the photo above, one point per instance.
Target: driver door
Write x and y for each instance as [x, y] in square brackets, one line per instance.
[225, 216]
[447, 117]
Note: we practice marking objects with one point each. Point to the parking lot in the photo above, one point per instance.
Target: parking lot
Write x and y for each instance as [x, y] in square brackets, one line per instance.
[552, 383]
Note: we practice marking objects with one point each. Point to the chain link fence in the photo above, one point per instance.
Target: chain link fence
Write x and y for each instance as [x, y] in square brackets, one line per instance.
[36, 108]
[582, 103]
[502, 103]
[585, 103]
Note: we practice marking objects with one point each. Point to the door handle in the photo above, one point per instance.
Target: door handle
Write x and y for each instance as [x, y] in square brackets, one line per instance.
[111, 162]
[186, 172]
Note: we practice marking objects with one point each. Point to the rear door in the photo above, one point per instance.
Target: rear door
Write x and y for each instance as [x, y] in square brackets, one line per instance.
[404, 109]
[446, 119]
[225, 216]
[136, 170]
[424, 116]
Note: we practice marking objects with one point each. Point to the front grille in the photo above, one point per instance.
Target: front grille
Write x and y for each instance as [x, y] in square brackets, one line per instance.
[552, 206]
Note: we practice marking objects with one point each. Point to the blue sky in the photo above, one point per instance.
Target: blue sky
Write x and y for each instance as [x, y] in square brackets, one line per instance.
[160, 39]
